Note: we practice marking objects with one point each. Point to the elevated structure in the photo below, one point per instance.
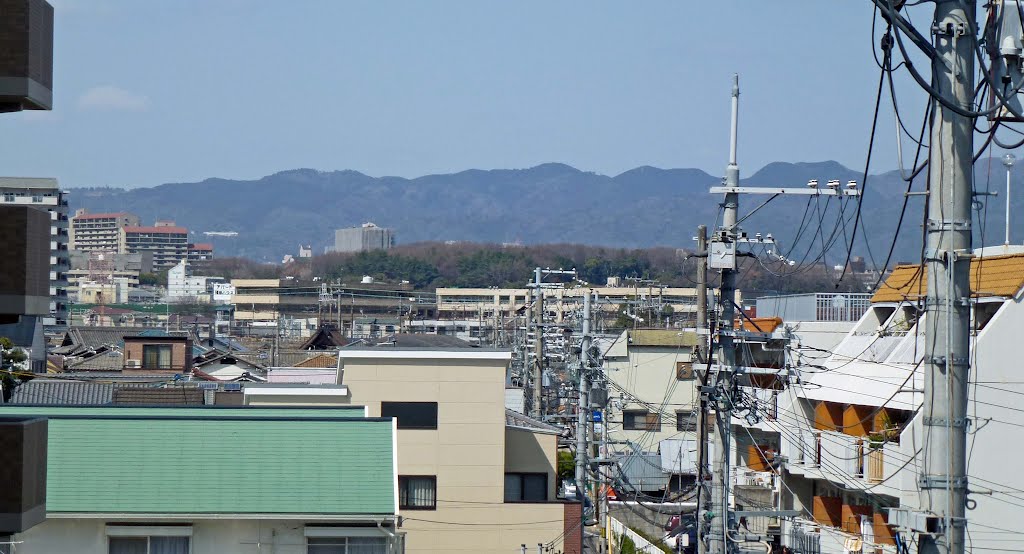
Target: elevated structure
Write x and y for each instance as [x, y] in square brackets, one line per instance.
[99, 232]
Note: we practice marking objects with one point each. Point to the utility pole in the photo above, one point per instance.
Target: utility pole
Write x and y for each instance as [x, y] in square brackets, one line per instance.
[703, 492]
[943, 477]
[538, 345]
[725, 255]
[583, 415]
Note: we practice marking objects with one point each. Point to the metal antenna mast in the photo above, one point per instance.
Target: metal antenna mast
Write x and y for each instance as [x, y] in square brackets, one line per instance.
[724, 256]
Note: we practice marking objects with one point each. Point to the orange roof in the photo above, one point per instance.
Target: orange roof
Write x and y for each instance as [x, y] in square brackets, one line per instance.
[319, 361]
[990, 276]
[201, 246]
[761, 324]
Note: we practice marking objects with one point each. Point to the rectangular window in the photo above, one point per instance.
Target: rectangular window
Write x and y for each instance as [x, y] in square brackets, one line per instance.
[346, 545]
[148, 545]
[156, 356]
[411, 415]
[526, 487]
[8, 198]
[417, 492]
[640, 420]
[686, 421]
[37, 198]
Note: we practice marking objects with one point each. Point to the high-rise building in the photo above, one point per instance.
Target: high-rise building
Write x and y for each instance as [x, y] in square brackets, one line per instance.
[99, 232]
[168, 243]
[44, 194]
[360, 239]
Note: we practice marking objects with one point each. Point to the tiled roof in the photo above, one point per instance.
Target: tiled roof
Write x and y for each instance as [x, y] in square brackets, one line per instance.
[417, 340]
[108, 361]
[201, 246]
[662, 337]
[94, 337]
[63, 392]
[990, 276]
[148, 396]
[319, 361]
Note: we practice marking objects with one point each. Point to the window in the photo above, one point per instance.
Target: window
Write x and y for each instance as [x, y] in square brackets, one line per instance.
[148, 545]
[526, 487]
[411, 415]
[684, 371]
[346, 545]
[156, 356]
[686, 421]
[37, 198]
[8, 198]
[417, 492]
[640, 420]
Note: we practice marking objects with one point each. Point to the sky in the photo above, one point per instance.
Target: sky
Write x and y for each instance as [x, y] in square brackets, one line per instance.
[153, 92]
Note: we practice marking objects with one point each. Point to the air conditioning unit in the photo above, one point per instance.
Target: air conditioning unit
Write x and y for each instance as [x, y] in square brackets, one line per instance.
[133, 364]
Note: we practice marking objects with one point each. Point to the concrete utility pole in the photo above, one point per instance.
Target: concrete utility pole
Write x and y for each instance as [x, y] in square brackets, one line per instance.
[943, 477]
[1008, 161]
[718, 542]
[703, 492]
[583, 408]
[538, 345]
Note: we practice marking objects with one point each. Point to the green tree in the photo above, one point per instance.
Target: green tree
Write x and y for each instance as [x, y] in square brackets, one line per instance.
[149, 279]
[566, 465]
[12, 373]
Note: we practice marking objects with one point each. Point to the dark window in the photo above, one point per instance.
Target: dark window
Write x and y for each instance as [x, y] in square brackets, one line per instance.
[417, 492]
[686, 421]
[346, 545]
[156, 356]
[640, 420]
[148, 545]
[411, 415]
[526, 487]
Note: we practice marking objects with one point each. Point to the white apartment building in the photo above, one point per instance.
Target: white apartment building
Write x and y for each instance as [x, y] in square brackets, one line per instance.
[45, 194]
[99, 232]
[851, 433]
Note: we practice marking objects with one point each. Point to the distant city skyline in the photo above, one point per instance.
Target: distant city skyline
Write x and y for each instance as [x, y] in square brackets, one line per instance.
[153, 93]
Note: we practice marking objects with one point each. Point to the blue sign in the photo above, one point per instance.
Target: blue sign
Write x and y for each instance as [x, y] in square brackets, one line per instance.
[596, 416]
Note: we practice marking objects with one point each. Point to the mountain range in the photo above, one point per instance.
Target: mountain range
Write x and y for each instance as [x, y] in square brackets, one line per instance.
[549, 203]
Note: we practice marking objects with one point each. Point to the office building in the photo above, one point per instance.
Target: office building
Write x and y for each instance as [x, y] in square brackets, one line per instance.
[44, 194]
[361, 239]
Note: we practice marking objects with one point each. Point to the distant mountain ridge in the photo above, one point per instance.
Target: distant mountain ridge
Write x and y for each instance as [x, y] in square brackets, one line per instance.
[549, 203]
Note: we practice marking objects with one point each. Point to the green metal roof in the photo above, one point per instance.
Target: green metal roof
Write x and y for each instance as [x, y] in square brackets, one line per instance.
[185, 411]
[218, 464]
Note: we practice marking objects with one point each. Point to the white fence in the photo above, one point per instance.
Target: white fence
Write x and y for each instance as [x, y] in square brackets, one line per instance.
[618, 529]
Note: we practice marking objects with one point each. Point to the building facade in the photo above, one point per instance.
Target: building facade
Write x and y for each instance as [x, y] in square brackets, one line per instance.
[167, 243]
[366, 237]
[200, 252]
[44, 194]
[99, 232]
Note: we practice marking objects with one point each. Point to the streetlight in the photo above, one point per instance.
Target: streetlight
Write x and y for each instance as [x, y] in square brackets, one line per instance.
[1008, 160]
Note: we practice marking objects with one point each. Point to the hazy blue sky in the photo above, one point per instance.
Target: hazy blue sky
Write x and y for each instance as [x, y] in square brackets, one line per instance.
[154, 92]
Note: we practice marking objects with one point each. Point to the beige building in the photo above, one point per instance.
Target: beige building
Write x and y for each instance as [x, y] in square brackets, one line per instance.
[473, 477]
[652, 371]
[99, 232]
[495, 304]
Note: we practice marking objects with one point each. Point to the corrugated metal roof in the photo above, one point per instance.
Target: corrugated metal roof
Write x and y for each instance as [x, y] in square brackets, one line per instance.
[662, 337]
[327, 467]
[642, 472]
[990, 276]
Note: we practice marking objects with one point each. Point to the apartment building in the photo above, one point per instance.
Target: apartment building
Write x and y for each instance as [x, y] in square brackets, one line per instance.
[44, 194]
[850, 434]
[366, 237]
[472, 476]
[168, 243]
[200, 252]
[99, 232]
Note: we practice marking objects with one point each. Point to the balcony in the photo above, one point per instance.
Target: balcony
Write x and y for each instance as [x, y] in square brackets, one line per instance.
[844, 460]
